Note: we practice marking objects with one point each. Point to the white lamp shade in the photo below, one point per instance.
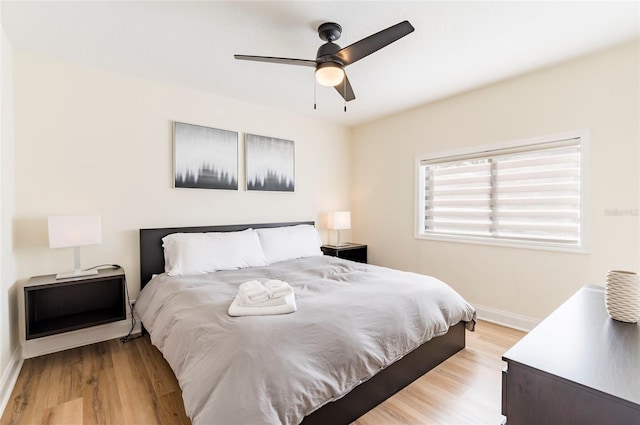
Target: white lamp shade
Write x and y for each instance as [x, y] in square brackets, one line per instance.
[339, 220]
[329, 74]
[74, 230]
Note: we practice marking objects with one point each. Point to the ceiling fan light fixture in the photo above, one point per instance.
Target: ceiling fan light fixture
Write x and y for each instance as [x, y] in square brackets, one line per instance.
[329, 74]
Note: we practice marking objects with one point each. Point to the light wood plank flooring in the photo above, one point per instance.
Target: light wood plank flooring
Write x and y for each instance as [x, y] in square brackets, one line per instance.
[106, 383]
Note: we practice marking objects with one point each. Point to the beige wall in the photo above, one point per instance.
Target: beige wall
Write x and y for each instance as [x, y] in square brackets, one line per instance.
[8, 308]
[91, 141]
[599, 92]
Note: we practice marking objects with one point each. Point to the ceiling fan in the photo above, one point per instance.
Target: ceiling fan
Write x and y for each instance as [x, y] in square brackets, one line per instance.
[331, 59]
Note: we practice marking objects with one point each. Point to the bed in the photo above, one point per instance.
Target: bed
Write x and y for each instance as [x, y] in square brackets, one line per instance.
[341, 402]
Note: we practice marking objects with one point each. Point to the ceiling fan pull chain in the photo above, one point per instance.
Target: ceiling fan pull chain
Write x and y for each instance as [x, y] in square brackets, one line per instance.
[314, 93]
[344, 86]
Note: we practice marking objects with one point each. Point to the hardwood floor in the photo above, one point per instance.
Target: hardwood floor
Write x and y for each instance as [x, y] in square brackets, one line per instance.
[106, 383]
[465, 389]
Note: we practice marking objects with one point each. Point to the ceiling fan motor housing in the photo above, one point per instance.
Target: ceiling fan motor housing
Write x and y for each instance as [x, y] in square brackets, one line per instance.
[326, 53]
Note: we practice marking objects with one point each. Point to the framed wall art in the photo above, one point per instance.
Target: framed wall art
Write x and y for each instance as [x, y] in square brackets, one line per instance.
[204, 157]
[270, 163]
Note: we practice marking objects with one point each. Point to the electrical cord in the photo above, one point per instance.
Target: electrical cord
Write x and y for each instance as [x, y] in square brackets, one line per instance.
[127, 337]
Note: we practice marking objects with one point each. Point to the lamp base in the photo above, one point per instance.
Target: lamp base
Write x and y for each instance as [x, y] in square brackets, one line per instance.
[76, 273]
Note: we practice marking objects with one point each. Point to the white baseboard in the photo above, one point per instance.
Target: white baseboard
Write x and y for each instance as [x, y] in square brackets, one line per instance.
[511, 320]
[51, 344]
[9, 378]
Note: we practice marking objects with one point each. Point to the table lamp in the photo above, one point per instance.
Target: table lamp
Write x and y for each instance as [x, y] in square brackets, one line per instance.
[339, 220]
[74, 231]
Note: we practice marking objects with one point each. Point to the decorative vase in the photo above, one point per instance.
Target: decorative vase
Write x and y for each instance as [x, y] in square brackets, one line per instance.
[622, 296]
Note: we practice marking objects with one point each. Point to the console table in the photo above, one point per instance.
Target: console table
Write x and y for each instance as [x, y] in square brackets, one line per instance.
[578, 366]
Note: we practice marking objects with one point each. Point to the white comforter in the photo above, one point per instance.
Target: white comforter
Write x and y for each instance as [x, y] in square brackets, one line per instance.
[352, 320]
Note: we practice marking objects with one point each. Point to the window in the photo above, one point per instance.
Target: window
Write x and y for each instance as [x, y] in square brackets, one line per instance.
[527, 193]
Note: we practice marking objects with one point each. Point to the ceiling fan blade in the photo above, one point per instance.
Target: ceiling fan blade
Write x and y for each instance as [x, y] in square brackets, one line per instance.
[345, 89]
[286, 61]
[377, 41]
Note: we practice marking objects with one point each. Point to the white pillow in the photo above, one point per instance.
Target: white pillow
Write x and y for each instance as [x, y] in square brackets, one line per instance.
[197, 253]
[287, 243]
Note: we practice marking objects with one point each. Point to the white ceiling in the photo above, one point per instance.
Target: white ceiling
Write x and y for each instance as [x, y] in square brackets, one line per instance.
[457, 46]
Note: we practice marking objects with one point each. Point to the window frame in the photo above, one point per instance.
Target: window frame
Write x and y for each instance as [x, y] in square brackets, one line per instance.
[419, 207]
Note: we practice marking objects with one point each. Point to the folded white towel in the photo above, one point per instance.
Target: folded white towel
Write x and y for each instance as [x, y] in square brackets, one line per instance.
[235, 309]
[278, 288]
[253, 292]
[270, 302]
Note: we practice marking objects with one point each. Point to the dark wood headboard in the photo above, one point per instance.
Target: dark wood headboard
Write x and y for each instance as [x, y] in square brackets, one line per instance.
[152, 254]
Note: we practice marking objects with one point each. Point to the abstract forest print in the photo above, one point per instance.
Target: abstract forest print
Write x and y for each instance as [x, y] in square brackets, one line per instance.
[205, 158]
[270, 163]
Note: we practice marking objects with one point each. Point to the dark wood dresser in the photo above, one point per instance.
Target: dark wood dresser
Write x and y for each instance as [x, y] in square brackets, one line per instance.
[578, 366]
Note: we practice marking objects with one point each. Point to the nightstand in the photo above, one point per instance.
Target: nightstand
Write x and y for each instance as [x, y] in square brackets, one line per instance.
[56, 306]
[349, 251]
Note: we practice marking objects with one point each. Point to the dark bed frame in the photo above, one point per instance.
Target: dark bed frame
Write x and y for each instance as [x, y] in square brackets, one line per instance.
[365, 396]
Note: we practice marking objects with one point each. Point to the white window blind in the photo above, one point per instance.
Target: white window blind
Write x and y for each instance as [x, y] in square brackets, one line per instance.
[525, 194]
